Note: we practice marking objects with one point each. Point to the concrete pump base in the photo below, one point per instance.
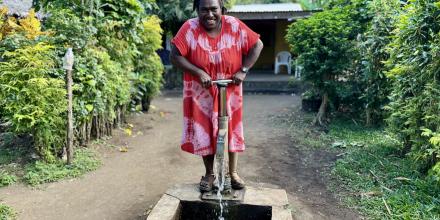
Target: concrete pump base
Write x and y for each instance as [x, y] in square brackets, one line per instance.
[183, 202]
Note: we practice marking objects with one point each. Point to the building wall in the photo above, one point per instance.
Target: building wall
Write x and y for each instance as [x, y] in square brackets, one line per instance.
[266, 59]
[277, 30]
[281, 31]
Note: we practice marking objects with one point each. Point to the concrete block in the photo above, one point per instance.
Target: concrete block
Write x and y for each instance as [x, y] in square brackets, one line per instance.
[168, 208]
[265, 196]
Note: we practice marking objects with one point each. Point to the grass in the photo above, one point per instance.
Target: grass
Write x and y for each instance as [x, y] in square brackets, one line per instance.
[6, 178]
[13, 154]
[85, 160]
[6, 212]
[303, 133]
[373, 178]
[370, 176]
[17, 163]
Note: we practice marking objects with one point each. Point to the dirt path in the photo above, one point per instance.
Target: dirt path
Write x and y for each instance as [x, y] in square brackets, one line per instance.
[128, 184]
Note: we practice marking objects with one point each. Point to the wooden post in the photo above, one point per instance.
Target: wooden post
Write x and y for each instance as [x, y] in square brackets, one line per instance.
[67, 65]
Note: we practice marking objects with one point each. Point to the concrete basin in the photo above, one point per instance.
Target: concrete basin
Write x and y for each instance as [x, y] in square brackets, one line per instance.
[183, 202]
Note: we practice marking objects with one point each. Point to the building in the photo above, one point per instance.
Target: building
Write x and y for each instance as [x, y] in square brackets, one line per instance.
[19, 8]
[271, 22]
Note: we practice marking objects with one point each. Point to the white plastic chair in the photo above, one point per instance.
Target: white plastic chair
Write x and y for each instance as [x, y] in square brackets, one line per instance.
[298, 69]
[283, 58]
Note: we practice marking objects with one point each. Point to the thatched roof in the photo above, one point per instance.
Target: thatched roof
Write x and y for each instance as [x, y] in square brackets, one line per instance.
[17, 7]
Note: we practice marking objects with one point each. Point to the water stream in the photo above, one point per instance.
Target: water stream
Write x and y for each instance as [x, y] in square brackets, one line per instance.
[220, 184]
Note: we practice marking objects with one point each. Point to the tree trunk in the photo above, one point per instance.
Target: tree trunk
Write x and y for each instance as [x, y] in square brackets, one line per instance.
[89, 131]
[369, 120]
[320, 117]
[84, 134]
[146, 100]
[123, 119]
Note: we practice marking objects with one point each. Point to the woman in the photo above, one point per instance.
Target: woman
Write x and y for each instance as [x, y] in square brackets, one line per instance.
[210, 47]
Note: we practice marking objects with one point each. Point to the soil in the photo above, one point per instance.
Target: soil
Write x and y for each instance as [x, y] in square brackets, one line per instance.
[129, 183]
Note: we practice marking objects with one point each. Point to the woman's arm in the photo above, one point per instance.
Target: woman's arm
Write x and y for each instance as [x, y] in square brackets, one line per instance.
[248, 61]
[182, 63]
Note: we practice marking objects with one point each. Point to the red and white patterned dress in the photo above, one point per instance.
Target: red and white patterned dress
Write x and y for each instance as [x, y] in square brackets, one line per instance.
[221, 58]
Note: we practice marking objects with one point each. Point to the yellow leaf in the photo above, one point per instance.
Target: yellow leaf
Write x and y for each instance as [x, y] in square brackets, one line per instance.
[128, 131]
[31, 25]
[123, 149]
[162, 114]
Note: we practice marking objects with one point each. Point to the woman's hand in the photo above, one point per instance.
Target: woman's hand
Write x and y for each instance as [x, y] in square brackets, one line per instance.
[205, 79]
[181, 62]
[238, 77]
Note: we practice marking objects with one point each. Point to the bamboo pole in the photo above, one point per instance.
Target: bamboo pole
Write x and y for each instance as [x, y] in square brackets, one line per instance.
[69, 118]
[67, 65]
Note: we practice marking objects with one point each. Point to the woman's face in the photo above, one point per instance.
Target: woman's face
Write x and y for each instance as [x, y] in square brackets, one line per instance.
[210, 13]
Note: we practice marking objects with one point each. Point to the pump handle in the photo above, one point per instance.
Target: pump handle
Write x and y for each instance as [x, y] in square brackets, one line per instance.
[222, 82]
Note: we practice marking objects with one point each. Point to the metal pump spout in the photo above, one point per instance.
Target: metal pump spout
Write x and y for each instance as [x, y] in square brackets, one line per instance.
[222, 147]
[222, 139]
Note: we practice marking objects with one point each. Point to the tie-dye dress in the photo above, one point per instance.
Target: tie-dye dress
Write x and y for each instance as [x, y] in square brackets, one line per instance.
[221, 58]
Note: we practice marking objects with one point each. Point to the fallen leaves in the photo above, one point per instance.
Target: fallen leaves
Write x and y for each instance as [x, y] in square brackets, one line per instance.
[386, 206]
[129, 129]
[123, 149]
[402, 178]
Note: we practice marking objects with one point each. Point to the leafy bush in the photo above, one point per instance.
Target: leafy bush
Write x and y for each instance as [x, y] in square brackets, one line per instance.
[31, 99]
[148, 74]
[415, 97]
[374, 84]
[323, 44]
[173, 13]
[115, 45]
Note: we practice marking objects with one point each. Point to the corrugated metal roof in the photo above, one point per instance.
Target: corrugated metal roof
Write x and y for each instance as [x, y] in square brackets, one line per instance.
[275, 7]
[18, 7]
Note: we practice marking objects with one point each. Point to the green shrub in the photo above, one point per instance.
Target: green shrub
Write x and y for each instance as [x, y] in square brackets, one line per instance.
[414, 68]
[147, 75]
[115, 62]
[323, 44]
[375, 86]
[31, 99]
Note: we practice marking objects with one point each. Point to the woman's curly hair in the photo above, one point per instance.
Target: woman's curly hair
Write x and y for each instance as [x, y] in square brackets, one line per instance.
[196, 5]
